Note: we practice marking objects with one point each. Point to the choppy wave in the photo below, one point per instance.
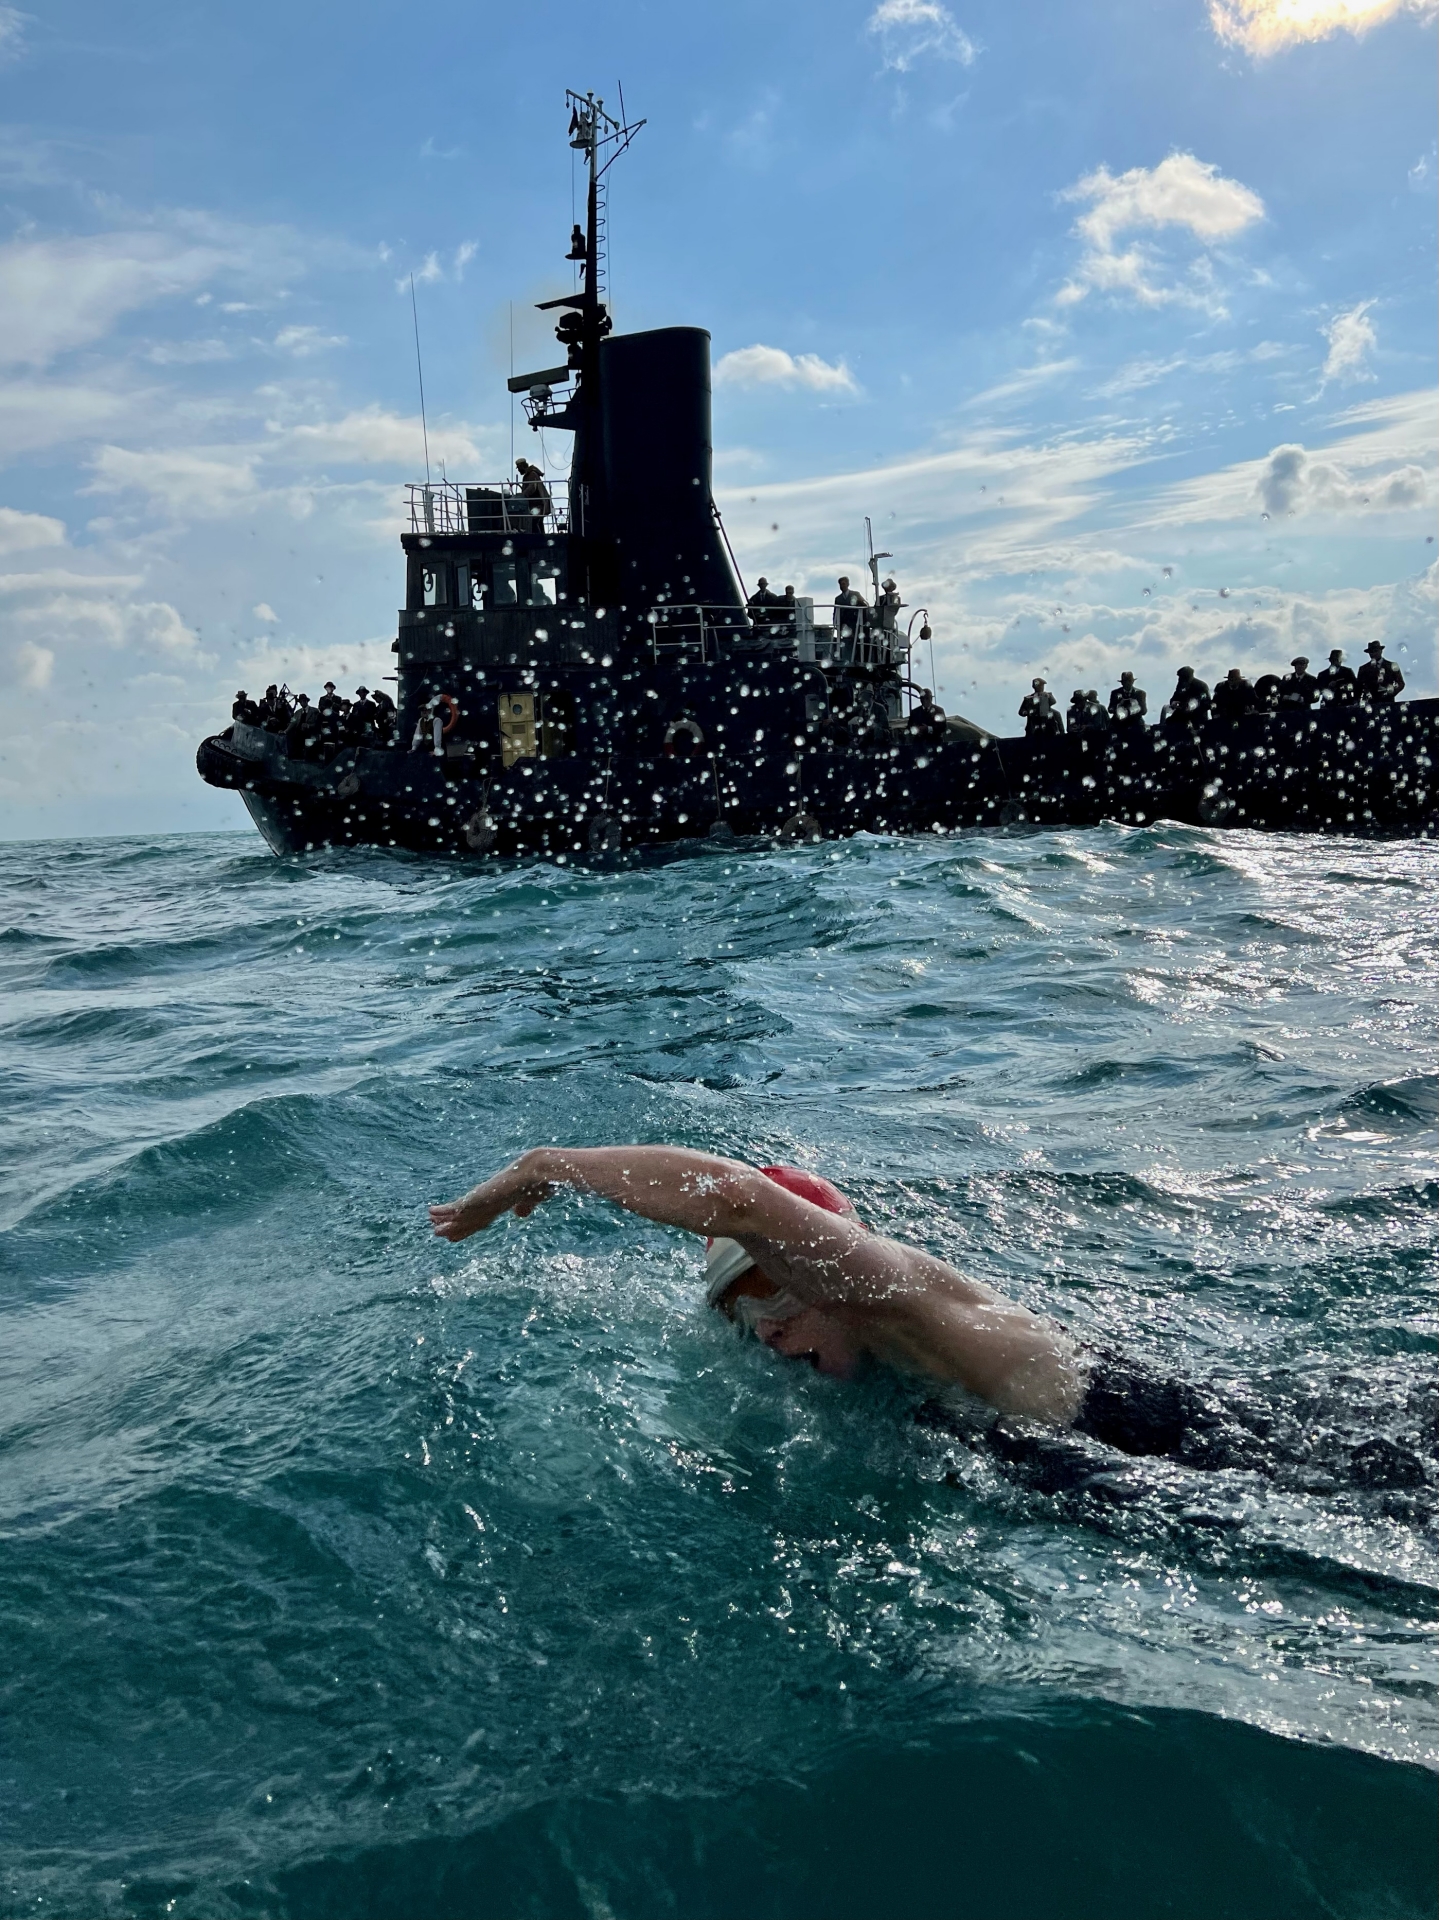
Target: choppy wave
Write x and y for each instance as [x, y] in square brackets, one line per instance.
[344, 1572]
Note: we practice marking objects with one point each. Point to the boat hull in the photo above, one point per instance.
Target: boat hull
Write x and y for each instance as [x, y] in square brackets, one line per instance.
[1352, 771]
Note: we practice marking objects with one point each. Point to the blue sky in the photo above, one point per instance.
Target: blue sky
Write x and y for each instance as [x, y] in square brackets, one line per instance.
[1118, 320]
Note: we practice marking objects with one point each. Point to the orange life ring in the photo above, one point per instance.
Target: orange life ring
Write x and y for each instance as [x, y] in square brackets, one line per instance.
[449, 700]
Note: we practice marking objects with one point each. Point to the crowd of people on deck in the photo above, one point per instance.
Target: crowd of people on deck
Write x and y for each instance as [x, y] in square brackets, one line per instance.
[1192, 704]
[318, 730]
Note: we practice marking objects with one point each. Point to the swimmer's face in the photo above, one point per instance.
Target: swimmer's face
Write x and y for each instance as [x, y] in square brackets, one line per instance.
[811, 1335]
[815, 1337]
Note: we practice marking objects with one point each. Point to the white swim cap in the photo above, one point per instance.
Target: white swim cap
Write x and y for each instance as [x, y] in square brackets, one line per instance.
[724, 1263]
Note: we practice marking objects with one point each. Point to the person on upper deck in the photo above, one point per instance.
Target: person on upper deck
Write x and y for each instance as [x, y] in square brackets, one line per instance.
[1337, 685]
[1298, 690]
[1233, 696]
[533, 488]
[763, 603]
[847, 615]
[1380, 681]
[1128, 704]
[1074, 715]
[889, 606]
[245, 709]
[1039, 710]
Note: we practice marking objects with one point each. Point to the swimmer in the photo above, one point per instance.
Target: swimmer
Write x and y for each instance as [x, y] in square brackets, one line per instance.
[790, 1260]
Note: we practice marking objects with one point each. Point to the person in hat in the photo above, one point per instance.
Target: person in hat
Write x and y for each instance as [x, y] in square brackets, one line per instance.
[1128, 703]
[533, 490]
[1298, 690]
[1337, 685]
[1188, 705]
[1039, 710]
[1380, 681]
[1233, 697]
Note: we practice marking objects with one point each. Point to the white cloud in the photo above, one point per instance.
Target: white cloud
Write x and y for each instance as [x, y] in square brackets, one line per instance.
[21, 532]
[65, 610]
[1181, 192]
[58, 294]
[303, 341]
[188, 484]
[35, 414]
[772, 367]
[913, 30]
[348, 663]
[1291, 481]
[1388, 463]
[1267, 26]
[33, 665]
[263, 611]
[371, 436]
[12, 32]
[1351, 338]
[464, 254]
[188, 353]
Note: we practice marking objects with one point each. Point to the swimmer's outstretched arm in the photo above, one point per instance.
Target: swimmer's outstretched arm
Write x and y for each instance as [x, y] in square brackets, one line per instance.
[671, 1185]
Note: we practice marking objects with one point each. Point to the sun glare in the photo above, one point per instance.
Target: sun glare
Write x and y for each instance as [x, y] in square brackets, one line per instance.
[1268, 26]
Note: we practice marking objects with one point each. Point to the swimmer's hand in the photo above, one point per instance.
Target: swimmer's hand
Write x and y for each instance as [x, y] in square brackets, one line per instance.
[518, 1189]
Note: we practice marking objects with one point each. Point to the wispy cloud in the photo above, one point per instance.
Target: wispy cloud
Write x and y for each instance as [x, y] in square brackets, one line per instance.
[759, 366]
[1352, 339]
[12, 32]
[910, 31]
[1263, 27]
[1181, 193]
[22, 532]
[302, 342]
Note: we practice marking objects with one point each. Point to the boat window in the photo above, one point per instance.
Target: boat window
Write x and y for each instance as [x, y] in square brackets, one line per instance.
[462, 586]
[505, 579]
[544, 581]
[434, 582]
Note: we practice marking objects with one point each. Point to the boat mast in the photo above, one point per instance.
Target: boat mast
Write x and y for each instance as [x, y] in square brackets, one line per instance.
[601, 139]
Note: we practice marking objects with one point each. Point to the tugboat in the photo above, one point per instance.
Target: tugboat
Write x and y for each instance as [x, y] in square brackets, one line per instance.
[586, 676]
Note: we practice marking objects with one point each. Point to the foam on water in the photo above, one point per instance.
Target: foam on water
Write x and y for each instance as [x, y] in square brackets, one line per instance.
[347, 1572]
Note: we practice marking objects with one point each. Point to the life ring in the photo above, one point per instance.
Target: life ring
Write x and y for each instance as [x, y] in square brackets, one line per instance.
[448, 700]
[481, 833]
[800, 827]
[605, 834]
[691, 729]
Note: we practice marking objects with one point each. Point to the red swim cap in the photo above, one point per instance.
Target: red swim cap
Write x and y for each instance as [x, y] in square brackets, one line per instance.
[809, 1186]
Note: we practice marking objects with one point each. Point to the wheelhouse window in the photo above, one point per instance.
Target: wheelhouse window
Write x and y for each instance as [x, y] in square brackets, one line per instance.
[505, 583]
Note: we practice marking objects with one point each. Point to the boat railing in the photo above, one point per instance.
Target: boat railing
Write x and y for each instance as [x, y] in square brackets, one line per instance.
[695, 630]
[493, 506]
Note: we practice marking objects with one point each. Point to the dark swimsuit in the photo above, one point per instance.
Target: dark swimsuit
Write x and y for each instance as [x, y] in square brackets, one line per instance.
[1127, 1408]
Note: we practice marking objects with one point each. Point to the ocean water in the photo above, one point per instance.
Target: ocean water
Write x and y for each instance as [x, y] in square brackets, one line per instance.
[345, 1572]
